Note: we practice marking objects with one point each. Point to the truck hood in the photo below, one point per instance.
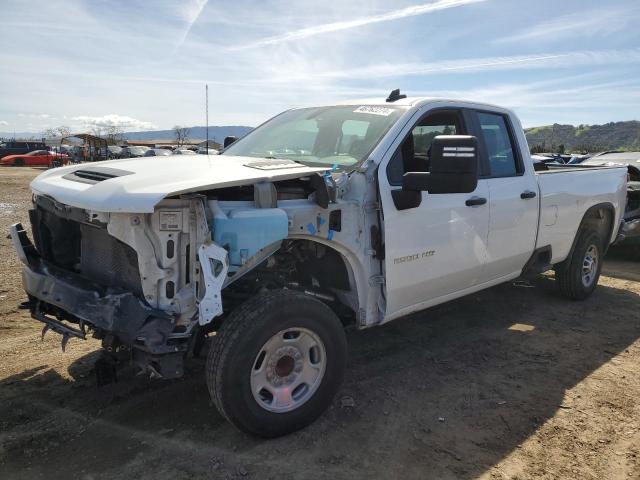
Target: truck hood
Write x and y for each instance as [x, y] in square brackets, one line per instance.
[136, 185]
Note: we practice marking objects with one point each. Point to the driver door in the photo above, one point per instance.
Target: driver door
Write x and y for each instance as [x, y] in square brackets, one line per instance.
[438, 248]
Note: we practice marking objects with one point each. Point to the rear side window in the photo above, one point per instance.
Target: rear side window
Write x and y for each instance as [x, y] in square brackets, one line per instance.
[499, 145]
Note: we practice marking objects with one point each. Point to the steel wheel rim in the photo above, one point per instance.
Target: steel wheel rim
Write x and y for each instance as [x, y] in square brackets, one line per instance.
[590, 265]
[288, 369]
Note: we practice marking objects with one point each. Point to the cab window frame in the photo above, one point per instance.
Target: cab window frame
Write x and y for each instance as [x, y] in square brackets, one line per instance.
[463, 122]
[484, 152]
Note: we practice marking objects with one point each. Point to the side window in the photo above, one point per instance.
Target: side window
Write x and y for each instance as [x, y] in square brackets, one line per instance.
[499, 146]
[414, 152]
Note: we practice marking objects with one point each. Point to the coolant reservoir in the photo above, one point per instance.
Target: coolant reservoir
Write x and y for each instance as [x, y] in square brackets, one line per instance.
[244, 232]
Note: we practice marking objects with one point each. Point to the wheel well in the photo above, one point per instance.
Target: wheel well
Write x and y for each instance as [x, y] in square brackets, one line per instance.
[325, 273]
[306, 266]
[599, 218]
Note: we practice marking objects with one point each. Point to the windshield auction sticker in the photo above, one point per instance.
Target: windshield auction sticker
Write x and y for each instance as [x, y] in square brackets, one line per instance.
[373, 110]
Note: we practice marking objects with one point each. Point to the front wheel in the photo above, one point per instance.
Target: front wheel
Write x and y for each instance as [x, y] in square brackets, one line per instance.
[276, 363]
[578, 275]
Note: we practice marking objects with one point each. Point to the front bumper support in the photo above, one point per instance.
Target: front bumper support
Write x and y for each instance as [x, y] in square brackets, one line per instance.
[68, 295]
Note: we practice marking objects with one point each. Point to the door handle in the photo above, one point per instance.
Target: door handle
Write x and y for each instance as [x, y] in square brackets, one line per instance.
[475, 201]
[527, 195]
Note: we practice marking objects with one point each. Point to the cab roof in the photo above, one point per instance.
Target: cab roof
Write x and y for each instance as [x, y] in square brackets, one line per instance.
[415, 102]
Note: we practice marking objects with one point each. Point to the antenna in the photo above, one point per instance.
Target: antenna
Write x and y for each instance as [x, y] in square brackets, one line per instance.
[206, 109]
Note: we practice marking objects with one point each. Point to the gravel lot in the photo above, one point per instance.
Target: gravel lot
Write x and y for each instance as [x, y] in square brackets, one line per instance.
[513, 382]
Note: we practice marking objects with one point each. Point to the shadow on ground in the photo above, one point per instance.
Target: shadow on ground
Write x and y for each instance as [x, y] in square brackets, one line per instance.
[446, 393]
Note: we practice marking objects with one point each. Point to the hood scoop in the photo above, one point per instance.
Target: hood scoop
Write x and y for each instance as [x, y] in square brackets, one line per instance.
[95, 175]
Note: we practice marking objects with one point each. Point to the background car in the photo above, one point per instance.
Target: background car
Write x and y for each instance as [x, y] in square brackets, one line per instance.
[66, 149]
[19, 148]
[158, 152]
[114, 151]
[37, 158]
[133, 151]
[207, 151]
[183, 151]
[576, 159]
[629, 159]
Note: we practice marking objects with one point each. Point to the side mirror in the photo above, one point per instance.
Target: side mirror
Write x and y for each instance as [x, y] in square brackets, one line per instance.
[454, 167]
[229, 140]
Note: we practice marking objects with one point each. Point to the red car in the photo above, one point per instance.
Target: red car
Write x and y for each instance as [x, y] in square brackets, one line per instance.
[37, 158]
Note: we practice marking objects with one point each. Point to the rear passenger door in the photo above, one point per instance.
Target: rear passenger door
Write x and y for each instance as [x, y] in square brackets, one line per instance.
[513, 197]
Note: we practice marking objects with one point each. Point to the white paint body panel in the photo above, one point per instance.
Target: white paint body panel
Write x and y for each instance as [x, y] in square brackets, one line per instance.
[513, 227]
[469, 256]
[449, 238]
[567, 194]
[154, 178]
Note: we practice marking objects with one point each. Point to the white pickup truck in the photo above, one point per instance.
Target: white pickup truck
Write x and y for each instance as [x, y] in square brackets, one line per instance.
[348, 214]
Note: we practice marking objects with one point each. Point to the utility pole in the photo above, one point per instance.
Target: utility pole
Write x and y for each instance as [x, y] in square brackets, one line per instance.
[206, 109]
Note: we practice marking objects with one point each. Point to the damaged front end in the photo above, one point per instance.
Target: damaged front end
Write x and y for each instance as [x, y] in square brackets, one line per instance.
[151, 286]
[131, 280]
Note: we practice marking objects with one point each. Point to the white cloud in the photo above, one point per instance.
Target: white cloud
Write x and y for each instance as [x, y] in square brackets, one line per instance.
[602, 21]
[4, 122]
[113, 120]
[587, 58]
[34, 115]
[191, 14]
[411, 11]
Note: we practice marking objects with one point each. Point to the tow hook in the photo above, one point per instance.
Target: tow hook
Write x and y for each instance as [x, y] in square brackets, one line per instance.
[57, 326]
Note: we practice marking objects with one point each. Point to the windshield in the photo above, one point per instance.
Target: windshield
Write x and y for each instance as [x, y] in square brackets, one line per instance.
[340, 135]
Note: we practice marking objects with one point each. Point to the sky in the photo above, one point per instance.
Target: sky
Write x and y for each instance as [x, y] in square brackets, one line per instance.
[143, 65]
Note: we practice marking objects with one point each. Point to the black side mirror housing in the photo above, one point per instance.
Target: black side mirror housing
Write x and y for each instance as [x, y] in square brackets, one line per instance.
[454, 167]
[229, 140]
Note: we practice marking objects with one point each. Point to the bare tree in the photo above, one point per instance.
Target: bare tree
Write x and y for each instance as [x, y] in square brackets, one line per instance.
[64, 130]
[182, 134]
[113, 134]
[96, 131]
[61, 131]
[50, 133]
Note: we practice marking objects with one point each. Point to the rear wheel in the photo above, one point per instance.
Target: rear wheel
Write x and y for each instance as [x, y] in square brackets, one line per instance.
[276, 363]
[578, 275]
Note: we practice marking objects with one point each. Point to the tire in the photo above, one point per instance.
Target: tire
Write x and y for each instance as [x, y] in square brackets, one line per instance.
[18, 162]
[578, 276]
[243, 355]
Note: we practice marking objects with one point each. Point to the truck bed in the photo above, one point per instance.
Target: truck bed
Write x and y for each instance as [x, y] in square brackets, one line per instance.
[566, 193]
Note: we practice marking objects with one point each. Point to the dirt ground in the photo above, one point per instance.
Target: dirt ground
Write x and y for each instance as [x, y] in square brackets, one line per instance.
[514, 382]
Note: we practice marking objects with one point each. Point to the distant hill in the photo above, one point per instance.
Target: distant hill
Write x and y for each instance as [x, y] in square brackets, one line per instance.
[590, 138]
[199, 133]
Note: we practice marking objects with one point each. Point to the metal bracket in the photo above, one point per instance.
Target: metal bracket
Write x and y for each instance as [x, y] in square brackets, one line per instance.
[57, 326]
[214, 261]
